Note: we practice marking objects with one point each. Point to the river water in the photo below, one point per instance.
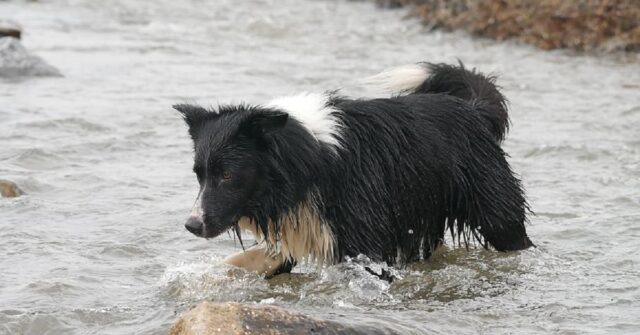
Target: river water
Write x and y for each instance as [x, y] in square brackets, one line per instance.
[97, 245]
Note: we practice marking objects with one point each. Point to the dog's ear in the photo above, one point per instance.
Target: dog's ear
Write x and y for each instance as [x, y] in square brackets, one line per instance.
[194, 116]
[264, 123]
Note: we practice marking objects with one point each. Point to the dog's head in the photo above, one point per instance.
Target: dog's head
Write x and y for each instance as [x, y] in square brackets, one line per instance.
[231, 163]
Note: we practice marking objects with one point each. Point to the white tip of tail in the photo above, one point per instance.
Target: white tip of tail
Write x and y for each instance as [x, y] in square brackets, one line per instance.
[398, 80]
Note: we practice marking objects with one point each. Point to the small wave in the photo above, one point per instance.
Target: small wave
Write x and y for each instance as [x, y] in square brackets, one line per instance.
[35, 323]
[54, 288]
[631, 111]
[71, 124]
[36, 159]
[583, 153]
[557, 215]
[210, 278]
[123, 250]
[452, 275]
[346, 284]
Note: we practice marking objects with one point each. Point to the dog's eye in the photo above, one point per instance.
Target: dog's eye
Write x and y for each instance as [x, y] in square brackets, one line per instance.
[226, 175]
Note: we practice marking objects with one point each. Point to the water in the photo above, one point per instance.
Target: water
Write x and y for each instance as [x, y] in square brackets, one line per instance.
[97, 246]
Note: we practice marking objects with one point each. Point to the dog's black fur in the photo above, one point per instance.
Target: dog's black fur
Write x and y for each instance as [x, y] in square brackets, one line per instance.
[407, 169]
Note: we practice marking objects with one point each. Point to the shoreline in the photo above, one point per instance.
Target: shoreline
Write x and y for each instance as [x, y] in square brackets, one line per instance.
[582, 25]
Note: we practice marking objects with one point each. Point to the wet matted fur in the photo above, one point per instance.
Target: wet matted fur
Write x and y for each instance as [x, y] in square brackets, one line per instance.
[319, 176]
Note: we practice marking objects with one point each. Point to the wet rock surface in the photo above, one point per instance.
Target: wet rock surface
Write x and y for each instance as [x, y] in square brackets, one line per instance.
[9, 189]
[234, 318]
[10, 29]
[16, 61]
[589, 25]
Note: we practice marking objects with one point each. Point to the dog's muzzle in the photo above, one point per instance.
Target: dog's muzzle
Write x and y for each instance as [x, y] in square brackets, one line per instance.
[212, 228]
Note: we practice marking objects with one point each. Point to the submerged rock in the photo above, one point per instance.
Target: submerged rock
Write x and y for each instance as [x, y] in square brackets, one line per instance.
[233, 318]
[604, 25]
[9, 189]
[16, 61]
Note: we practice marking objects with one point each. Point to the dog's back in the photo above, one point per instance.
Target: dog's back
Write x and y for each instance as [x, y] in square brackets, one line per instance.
[418, 163]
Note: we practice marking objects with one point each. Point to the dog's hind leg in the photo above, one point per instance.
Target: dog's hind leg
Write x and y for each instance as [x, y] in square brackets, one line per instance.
[260, 260]
[491, 204]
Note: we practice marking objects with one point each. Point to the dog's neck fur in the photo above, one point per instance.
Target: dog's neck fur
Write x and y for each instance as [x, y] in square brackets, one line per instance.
[298, 235]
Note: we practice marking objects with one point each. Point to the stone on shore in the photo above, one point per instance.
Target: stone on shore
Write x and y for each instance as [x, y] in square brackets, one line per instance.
[10, 29]
[588, 25]
[16, 61]
[9, 189]
[232, 318]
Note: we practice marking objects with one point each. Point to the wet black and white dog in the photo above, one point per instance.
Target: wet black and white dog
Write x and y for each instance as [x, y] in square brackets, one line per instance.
[319, 176]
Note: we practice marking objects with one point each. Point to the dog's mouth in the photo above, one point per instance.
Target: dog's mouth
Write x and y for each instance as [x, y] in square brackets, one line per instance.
[204, 226]
[200, 228]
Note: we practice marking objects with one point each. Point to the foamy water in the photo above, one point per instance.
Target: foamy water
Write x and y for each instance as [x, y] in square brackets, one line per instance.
[97, 246]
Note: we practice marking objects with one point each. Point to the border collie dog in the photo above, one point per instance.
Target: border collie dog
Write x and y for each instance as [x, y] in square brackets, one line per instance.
[317, 177]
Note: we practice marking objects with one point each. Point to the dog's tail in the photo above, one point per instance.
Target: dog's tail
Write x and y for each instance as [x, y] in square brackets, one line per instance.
[477, 89]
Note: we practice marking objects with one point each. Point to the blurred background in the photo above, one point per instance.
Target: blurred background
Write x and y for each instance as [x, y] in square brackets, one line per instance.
[95, 166]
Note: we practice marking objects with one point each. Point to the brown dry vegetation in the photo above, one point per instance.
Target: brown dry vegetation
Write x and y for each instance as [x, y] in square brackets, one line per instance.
[590, 25]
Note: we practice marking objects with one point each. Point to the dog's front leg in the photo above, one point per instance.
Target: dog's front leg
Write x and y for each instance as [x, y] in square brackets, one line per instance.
[258, 259]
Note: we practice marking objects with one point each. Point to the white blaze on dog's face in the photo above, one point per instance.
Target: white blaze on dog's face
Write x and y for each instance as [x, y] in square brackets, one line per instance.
[195, 222]
[196, 211]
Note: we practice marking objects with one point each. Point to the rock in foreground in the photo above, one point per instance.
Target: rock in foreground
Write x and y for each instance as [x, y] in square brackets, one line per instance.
[16, 61]
[9, 189]
[232, 318]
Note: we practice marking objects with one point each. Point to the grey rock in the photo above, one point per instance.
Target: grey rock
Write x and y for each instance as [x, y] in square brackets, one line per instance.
[232, 318]
[16, 61]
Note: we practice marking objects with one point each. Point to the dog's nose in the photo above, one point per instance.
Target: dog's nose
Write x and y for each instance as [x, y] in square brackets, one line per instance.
[195, 226]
